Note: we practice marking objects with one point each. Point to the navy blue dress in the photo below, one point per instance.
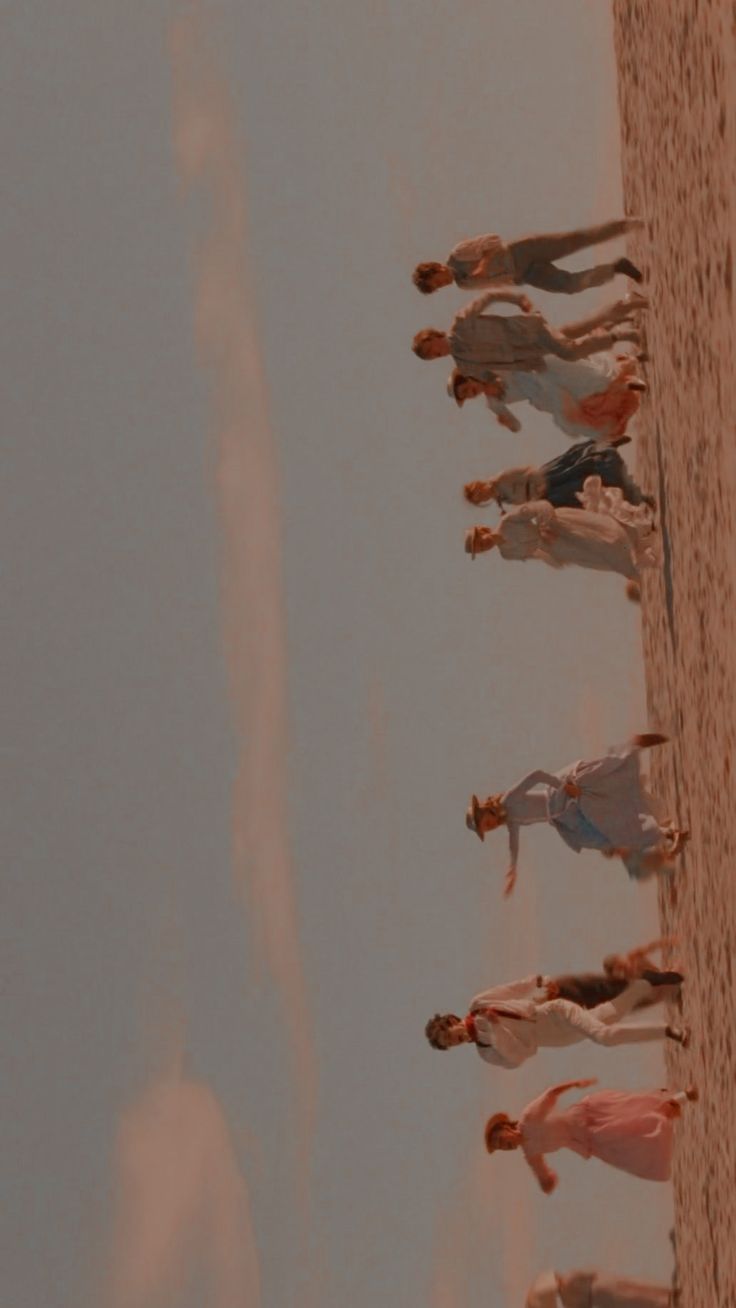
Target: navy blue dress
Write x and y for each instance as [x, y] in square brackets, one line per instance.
[566, 474]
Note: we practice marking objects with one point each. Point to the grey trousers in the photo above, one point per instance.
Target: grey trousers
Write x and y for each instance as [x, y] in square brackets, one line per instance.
[533, 258]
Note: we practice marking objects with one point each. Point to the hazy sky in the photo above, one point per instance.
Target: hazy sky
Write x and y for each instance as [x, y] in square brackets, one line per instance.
[253, 677]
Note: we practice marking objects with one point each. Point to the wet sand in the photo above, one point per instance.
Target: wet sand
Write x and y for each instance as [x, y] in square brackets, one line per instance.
[677, 93]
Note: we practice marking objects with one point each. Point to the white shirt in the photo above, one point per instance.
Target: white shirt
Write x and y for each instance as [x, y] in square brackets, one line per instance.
[513, 1036]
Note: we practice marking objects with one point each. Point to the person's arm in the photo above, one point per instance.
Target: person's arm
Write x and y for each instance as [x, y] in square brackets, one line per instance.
[540, 510]
[477, 306]
[548, 1179]
[510, 881]
[473, 260]
[539, 777]
[503, 413]
[542, 1106]
[511, 990]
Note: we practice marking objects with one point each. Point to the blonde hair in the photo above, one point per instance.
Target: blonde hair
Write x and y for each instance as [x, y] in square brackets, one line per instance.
[423, 338]
[424, 274]
[480, 492]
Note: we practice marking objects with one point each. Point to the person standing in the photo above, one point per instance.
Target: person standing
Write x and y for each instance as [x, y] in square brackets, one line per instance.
[560, 481]
[592, 804]
[632, 1131]
[484, 343]
[509, 1023]
[484, 261]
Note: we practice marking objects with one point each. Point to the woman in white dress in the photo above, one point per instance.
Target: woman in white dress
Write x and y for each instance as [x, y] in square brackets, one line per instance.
[586, 398]
[606, 533]
[592, 804]
[592, 1289]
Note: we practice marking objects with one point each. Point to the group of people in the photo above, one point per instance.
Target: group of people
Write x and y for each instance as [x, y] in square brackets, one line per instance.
[583, 507]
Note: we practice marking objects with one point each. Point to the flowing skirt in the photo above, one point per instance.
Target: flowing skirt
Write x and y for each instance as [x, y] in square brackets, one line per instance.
[565, 476]
[630, 1131]
[587, 399]
[614, 810]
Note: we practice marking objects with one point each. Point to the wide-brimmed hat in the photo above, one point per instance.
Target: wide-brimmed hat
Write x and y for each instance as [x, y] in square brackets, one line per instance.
[472, 817]
[496, 1120]
[543, 1293]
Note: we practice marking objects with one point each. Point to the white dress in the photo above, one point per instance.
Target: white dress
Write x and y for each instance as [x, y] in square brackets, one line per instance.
[592, 1289]
[564, 390]
[613, 537]
[613, 811]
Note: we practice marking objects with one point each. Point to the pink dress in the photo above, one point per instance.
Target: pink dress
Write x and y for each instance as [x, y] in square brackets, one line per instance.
[630, 1131]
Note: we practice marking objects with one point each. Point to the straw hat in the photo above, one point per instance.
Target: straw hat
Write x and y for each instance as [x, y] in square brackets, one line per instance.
[472, 817]
[496, 1120]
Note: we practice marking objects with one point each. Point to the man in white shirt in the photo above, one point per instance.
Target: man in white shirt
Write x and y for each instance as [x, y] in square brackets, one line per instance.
[485, 261]
[483, 344]
[509, 1023]
[591, 1289]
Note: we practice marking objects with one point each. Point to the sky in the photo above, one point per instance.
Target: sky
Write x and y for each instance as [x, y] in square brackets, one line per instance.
[252, 677]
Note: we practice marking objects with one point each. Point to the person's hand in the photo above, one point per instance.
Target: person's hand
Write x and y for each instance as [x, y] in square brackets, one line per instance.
[507, 420]
[571, 789]
[525, 304]
[586, 1081]
[550, 1182]
[509, 883]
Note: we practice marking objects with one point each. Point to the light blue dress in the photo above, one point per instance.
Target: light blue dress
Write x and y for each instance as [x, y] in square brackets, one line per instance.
[614, 809]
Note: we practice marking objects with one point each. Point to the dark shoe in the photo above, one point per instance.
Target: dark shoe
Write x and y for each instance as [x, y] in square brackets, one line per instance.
[648, 739]
[628, 269]
[662, 977]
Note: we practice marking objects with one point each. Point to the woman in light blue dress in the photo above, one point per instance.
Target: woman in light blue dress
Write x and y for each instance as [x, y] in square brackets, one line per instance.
[592, 804]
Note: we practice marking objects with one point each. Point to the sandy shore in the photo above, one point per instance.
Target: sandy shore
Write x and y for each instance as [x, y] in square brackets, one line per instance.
[677, 93]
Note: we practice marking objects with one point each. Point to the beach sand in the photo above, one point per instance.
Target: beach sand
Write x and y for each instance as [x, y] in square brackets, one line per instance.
[677, 93]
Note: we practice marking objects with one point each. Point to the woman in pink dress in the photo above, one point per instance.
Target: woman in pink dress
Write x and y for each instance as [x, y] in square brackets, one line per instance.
[632, 1131]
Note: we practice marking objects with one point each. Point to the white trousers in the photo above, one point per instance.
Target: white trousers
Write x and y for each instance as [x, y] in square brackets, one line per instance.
[560, 1022]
